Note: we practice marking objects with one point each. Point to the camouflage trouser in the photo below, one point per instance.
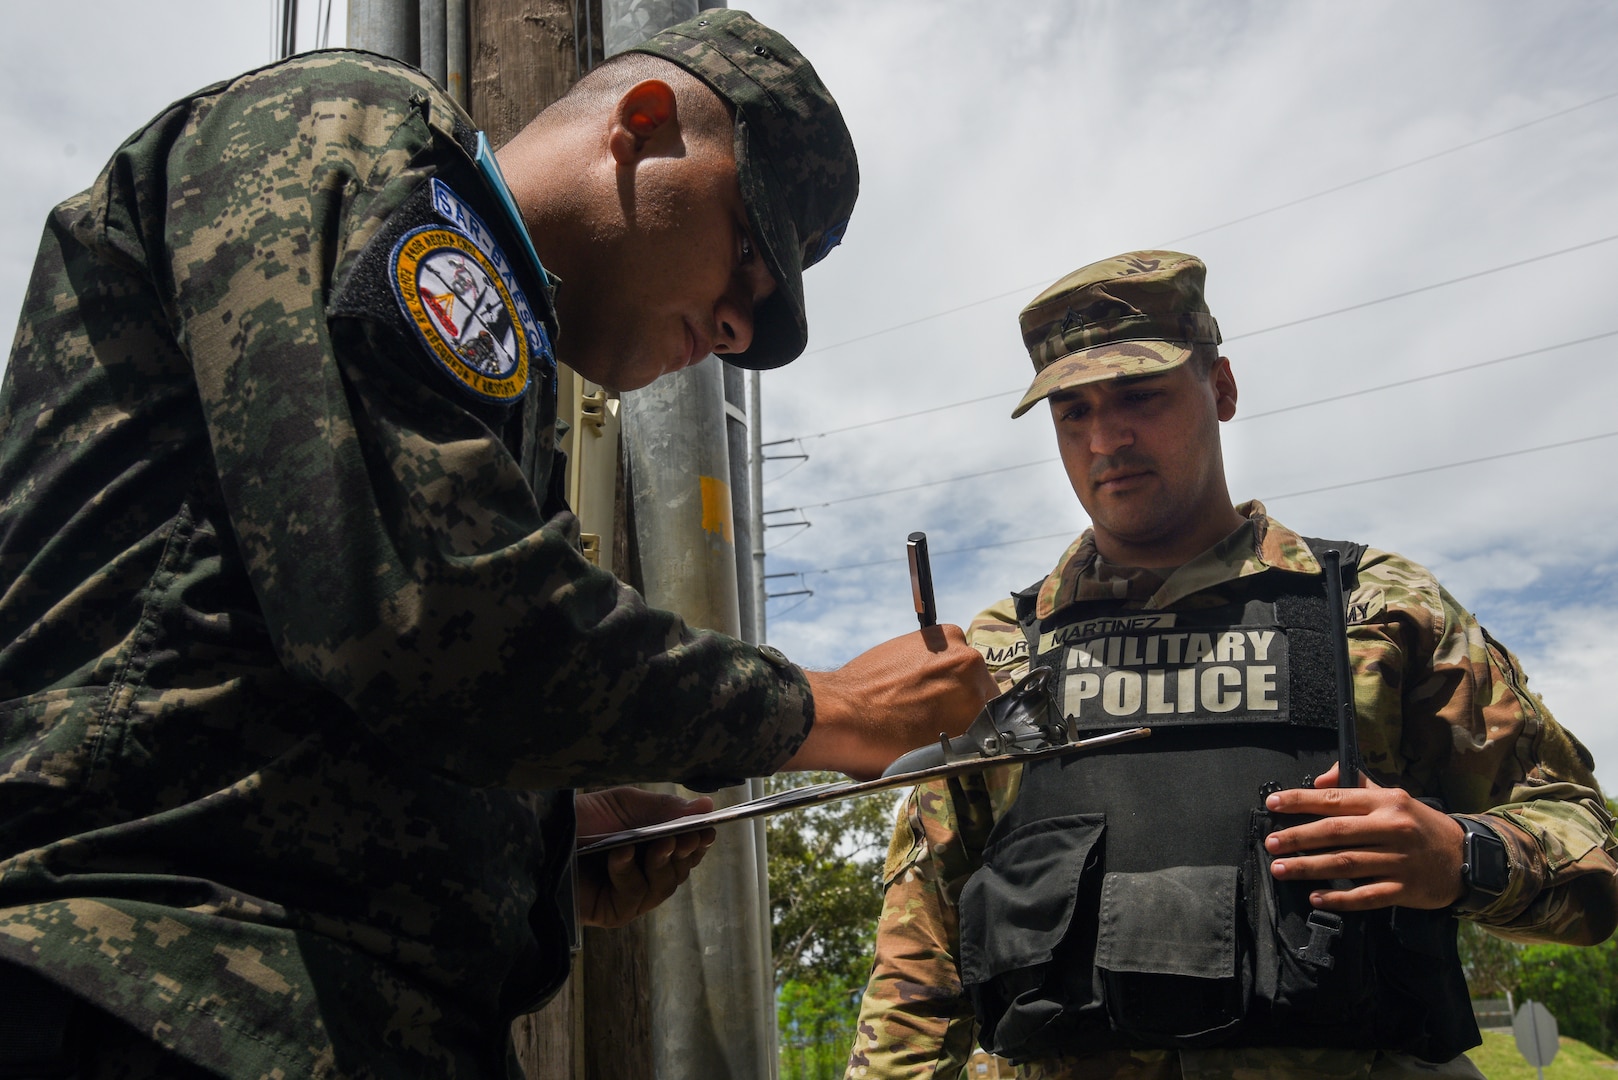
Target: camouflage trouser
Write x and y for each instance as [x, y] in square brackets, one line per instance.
[46, 1034]
[116, 1052]
[1256, 1064]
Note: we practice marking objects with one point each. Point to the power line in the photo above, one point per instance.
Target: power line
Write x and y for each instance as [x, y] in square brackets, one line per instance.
[914, 487]
[1433, 375]
[1235, 337]
[1234, 221]
[1248, 416]
[1265, 499]
[1439, 468]
[1426, 288]
[952, 551]
[901, 416]
[1397, 168]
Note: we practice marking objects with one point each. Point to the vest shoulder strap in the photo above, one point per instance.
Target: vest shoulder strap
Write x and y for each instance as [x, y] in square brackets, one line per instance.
[1349, 551]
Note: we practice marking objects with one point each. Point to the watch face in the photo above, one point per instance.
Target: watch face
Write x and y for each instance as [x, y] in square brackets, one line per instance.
[1487, 866]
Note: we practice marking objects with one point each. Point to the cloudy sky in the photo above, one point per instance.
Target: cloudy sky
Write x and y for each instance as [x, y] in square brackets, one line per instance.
[1003, 145]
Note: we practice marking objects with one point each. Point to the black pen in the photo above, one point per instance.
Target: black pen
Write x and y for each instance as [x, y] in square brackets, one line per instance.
[921, 579]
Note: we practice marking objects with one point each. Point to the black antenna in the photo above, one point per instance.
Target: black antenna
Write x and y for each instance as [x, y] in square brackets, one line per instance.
[1348, 750]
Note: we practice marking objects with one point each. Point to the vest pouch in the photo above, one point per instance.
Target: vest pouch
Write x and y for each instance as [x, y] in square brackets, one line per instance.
[1171, 955]
[1419, 964]
[1311, 966]
[1028, 933]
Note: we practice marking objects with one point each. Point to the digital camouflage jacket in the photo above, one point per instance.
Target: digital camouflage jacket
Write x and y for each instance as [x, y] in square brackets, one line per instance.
[1443, 710]
[295, 665]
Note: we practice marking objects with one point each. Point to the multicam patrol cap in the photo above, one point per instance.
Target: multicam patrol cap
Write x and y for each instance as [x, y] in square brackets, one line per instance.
[1132, 314]
[794, 159]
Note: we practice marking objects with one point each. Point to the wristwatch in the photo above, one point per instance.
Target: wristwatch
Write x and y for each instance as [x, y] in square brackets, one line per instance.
[1485, 867]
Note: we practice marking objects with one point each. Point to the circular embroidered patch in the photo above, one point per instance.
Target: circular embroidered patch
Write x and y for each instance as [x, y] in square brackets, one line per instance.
[464, 311]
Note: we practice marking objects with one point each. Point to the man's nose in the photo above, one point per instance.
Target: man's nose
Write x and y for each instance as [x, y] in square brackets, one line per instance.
[733, 322]
[1110, 432]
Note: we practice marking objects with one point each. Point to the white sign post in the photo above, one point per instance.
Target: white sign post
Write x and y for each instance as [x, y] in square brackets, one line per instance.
[1535, 1032]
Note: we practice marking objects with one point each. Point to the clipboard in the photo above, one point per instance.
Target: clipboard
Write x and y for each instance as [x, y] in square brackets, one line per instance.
[833, 791]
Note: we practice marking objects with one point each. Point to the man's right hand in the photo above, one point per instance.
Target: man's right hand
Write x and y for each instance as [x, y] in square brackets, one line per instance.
[894, 698]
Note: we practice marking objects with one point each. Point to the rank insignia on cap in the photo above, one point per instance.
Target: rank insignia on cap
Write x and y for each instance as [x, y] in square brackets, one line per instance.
[457, 289]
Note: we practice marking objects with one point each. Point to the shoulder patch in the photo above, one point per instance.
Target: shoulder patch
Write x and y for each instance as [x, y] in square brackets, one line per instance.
[458, 290]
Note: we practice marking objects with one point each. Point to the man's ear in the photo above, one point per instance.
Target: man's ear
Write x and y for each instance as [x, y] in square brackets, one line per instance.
[645, 111]
[1224, 388]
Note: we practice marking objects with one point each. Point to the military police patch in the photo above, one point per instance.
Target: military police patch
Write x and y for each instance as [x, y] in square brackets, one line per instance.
[457, 288]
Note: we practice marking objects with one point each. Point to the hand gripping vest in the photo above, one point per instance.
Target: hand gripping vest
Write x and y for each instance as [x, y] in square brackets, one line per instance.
[1125, 899]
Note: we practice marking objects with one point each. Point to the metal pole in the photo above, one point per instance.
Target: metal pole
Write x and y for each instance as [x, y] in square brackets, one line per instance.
[455, 62]
[740, 425]
[706, 944]
[627, 23]
[738, 428]
[389, 27]
[711, 985]
[433, 19]
[755, 466]
[289, 28]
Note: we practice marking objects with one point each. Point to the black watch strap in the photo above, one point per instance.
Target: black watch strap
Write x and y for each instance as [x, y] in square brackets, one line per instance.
[1485, 865]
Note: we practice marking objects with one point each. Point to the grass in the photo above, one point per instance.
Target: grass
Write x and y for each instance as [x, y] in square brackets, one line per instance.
[1499, 1059]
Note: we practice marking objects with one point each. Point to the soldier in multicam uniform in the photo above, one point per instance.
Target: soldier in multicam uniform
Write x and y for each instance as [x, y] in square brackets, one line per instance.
[1196, 904]
[298, 655]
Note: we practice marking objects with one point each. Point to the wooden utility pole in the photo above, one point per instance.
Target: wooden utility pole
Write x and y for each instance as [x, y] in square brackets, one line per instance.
[523, 58]
[524, 54]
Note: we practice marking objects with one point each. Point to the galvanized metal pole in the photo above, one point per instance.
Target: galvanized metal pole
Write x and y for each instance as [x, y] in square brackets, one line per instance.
[740, 423]
[289, 28]
[455, 58]
[627, 23]
[389, 27]
[710, 979]
[706, 944]
[432, 17]
[755, 468]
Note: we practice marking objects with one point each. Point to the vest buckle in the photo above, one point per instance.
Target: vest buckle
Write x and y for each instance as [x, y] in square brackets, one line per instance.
[1324, 930]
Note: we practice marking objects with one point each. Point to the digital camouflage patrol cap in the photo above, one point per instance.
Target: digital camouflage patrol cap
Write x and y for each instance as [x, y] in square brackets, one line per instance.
[794, 160]
[1133, 314]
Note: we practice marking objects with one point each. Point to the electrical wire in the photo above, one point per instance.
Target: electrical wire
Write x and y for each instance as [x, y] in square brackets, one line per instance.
[1240, 417]
[914, 487]
[1245, 334]
[1265, 499]
[1234, 221]
[1426, 288]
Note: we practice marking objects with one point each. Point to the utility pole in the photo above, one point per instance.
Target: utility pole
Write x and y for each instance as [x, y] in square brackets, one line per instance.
[389, 27]
[512, 58]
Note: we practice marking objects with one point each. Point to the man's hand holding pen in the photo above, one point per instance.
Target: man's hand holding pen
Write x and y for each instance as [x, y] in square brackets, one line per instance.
[899, 695]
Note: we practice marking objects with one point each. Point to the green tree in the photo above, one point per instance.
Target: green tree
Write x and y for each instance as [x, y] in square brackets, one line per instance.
[1579, 985]
[825, 896]
[1493, 965]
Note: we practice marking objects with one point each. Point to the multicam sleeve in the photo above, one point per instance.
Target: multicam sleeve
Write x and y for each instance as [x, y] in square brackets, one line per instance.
[994, 633]
[915, 1020]
[1449, 709]
[398, 554]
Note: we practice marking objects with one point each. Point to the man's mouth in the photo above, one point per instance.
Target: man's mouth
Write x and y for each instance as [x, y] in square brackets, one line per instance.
[696, 346]
[1121, 479]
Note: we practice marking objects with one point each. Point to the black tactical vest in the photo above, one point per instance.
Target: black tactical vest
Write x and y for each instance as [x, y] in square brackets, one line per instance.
[1125, 899]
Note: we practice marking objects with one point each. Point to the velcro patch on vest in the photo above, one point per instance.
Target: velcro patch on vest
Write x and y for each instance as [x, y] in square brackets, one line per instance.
[1158, 675]
[458, 290]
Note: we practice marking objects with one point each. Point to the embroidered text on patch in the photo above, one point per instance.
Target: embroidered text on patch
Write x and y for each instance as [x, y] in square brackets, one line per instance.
[477, 326]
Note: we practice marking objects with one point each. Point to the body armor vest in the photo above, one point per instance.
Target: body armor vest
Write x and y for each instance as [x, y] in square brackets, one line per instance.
[1125, 898]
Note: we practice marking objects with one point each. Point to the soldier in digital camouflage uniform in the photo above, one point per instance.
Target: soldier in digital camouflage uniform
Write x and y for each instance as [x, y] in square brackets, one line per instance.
[298, 656]
[1125, 351]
